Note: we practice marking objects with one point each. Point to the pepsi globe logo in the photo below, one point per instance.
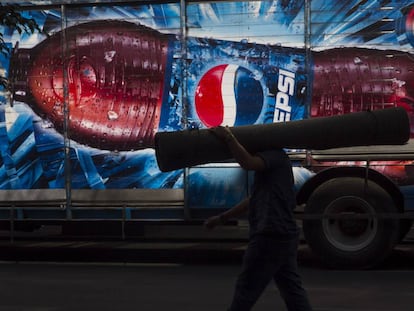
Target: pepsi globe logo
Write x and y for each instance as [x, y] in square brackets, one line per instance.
[405, 26]
[228, 95]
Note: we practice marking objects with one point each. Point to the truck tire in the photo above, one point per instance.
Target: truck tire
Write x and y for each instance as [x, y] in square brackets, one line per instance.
[350, 243]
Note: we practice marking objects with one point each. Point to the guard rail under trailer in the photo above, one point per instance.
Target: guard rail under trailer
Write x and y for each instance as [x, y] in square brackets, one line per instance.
[120, 212]
[115, 212]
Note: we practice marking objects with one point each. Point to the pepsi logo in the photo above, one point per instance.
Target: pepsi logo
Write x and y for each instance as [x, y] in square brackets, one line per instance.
[228, 95]
[404, 27]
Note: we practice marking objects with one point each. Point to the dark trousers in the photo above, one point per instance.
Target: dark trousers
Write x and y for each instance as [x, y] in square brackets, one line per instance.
[268, 258]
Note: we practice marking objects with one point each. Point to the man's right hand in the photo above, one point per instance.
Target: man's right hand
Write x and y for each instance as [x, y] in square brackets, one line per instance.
[223, 133]
[212, 222]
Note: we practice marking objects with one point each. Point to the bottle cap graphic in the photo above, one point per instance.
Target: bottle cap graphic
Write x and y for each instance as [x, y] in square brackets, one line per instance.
[228, 95]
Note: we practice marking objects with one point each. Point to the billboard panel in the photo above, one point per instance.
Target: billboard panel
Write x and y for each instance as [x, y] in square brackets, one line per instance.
[101, 80]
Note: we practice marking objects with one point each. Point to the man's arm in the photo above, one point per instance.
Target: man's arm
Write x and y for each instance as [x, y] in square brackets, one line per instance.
[240, 154]
[237, 211]
[246, 161]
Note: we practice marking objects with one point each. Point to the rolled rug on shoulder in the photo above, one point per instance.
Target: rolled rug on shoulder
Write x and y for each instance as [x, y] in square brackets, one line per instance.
[175, 150]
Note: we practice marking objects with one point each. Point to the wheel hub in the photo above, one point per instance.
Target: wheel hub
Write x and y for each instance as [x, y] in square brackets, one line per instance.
[348, 223]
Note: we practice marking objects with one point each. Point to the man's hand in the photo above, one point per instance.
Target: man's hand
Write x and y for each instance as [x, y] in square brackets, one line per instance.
[212, 222]
[240, 154]
[223, 133]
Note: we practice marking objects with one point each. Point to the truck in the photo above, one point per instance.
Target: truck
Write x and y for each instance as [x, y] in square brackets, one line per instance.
[89, 92]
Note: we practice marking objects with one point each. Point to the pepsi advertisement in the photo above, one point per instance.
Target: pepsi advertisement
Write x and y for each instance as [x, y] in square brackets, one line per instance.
[90, 91]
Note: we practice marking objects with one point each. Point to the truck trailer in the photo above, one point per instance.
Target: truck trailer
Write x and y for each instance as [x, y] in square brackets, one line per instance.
[88, 93]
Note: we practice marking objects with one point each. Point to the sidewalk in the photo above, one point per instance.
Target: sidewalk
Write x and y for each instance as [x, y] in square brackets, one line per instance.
[186, 245]
[123, 251]
[161, 244]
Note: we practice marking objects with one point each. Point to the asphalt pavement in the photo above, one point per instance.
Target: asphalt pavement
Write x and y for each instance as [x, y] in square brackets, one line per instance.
[196, 273]
[117, 286]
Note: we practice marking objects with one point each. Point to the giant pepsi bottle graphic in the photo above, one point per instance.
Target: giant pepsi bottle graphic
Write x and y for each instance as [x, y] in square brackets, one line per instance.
[115, 76]
[123, 82]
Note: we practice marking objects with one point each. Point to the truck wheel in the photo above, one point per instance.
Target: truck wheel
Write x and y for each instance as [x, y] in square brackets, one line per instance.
[350, 242]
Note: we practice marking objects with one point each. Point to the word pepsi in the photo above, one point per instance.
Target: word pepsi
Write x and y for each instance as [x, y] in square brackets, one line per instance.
[286, 86]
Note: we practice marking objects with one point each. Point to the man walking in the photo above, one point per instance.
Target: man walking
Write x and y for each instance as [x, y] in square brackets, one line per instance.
[273, 234]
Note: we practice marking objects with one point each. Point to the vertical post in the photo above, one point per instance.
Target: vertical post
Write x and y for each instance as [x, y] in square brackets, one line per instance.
[308, 48]
[366, 179]
[123, 222]
[12, 209]
[308, 64]
[184, 59]
[66, 111]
